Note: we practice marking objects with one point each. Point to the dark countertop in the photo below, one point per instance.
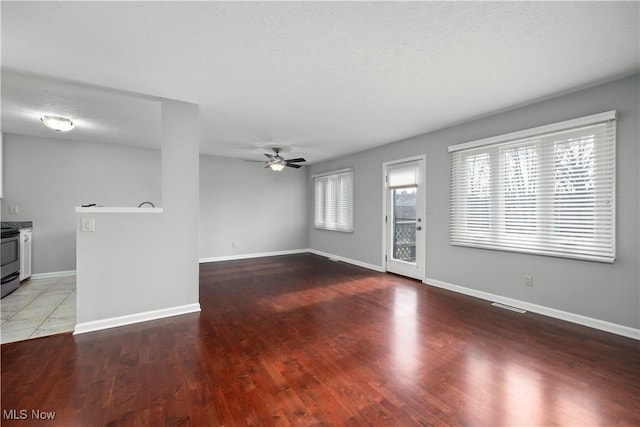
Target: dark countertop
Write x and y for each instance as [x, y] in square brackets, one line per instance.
[17, 224]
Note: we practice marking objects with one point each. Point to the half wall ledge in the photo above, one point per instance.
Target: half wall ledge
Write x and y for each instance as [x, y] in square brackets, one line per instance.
[125, 210]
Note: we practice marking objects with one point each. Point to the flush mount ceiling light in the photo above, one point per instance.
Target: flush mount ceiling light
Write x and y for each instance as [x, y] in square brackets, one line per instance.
[58, 123]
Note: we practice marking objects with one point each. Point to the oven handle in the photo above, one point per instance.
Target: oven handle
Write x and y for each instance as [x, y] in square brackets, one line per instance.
[10, 277]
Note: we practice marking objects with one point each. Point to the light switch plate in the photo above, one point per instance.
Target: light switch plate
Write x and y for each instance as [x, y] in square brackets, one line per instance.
[88, 224]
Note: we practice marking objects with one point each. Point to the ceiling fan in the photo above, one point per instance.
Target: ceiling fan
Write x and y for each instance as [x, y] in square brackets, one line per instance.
[277, 162]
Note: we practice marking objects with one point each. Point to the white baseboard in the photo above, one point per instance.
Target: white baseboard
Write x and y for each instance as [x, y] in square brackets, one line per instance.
[256, 255]
[540, 309]
[97, 325]
[347, 260]
[53, 274]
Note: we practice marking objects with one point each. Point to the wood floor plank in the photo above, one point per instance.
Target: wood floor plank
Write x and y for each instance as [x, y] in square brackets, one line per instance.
[299, 340]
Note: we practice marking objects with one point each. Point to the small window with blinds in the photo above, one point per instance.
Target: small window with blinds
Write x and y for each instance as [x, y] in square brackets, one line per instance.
[547, 191]
[333, 200]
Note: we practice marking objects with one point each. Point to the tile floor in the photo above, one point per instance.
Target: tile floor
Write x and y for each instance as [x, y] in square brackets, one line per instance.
[37, 308]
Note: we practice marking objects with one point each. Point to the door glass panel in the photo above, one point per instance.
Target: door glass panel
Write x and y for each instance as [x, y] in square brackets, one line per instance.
[404, 224]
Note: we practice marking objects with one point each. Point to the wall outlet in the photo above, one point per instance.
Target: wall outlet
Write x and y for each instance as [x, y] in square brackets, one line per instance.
[88, 224]
[14, 210]
[528, 280]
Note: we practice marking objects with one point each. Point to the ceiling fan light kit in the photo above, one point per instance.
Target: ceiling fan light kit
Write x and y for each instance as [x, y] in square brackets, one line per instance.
[277, 167]
[58, 123]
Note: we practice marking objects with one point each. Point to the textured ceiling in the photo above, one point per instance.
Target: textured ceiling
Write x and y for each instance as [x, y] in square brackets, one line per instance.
[320, 78]
[100, 115]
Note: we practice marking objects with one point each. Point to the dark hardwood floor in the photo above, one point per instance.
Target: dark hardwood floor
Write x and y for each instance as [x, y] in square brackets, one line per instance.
[300, 340]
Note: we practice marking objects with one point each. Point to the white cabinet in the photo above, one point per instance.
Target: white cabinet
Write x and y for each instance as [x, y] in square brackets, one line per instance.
[25, 253]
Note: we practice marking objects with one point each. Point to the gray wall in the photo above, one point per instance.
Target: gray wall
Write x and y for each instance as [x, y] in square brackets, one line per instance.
[609, 292]
[48, 178]
[242, 204]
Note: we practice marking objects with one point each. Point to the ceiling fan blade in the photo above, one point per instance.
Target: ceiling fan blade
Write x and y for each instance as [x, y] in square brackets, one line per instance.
[269, 156]
[255, 161]
[293, 165]
[299, 159]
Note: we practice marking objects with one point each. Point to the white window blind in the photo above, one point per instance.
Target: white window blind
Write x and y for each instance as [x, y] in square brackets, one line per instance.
[548, 190]
[333, 195]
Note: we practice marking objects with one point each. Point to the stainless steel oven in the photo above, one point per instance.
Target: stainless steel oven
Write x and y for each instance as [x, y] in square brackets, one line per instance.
[10, 254]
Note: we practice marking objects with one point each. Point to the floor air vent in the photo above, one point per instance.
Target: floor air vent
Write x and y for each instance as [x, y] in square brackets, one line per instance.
[508, 307]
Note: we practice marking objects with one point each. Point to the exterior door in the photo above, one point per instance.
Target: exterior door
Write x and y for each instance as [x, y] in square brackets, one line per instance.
[404, 218]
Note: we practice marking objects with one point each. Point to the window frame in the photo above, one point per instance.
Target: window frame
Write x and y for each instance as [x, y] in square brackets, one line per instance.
[539, 235]
[327, 215]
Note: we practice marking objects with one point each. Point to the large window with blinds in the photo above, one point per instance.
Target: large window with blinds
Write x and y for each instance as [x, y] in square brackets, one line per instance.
[333, 200]
[548, 190]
